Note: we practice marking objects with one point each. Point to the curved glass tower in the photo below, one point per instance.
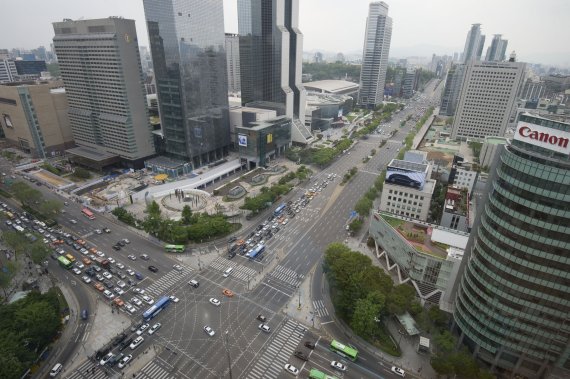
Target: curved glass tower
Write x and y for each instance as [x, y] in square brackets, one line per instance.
[513, 302]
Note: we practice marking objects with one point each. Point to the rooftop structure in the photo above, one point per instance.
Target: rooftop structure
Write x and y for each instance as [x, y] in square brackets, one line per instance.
[337, 87]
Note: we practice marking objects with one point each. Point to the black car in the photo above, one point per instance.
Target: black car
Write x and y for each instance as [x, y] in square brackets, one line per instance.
[108, 284]
[261, 318]
[231, 254]
[232, 239]
[120, 338]
[121, 243]
[403, 180]
[125, 344]
[309, 344]
[259, 227]
[250, 235]
[299, 354]
[117, 247]
[153, 268]
[271, 218]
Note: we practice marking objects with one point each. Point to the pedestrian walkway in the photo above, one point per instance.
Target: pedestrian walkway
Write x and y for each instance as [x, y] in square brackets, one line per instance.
[92, 370]
[240, 272]
[154, 371]
[165, 283]
[270, 363]
[286, 275]
[320, 309]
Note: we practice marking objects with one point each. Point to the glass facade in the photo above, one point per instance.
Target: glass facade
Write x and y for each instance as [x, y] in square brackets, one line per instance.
[187, 45]
[514, 297]
[271, 54]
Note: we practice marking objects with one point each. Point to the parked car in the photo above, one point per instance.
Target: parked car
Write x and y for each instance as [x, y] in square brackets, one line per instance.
[299, 354]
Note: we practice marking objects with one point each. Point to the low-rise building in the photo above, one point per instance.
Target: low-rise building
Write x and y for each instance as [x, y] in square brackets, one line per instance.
[34, 119]
[455, 214]
[489, 149]
[324, 111]
[335, 87]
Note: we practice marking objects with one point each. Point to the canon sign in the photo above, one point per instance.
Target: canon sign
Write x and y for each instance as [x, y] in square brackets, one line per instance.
[547, 138]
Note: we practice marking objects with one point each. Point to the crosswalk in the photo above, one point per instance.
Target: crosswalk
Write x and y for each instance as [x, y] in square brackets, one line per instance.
[240, 272]
[153, 371]
[164, 284]
[320, 308]
[286, 275]
[90, 370]
[270, 363]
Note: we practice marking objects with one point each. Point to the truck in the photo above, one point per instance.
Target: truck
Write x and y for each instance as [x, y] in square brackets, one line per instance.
[102, 262]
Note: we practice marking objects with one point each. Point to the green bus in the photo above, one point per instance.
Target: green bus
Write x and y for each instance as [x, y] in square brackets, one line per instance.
[174, 248]
[64, 262]
[343, 350]
[316, 374]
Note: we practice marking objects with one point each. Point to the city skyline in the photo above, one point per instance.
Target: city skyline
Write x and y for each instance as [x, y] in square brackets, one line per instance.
[416, 31]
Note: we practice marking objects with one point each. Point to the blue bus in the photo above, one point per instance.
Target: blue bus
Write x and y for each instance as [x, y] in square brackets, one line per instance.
[156, 308]
[255, 251]
[279, 210]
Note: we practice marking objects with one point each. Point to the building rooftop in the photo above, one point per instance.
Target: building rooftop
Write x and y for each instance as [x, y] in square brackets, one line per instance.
[317, 98]
[495, 140]
[456, 201]
[332, 86]
[428, 238]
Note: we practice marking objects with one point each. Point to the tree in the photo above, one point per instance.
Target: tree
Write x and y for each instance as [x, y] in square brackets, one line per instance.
[26, 194]
[363, 206]
[81, 173]
[50, 207]
[38, 252]
[153, 209]
[16, 241]
[6, 275]
[442, 365]
[186, 215]
[445, 342]
[400, 299]
[363, 318]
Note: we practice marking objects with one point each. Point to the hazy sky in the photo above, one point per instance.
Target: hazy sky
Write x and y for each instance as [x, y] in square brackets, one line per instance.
[537, 30]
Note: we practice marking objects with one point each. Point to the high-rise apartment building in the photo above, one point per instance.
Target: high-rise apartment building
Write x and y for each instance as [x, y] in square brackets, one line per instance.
[513, 300]
[488, 98]
[271, 53]
[187, 45]
[377, 37]
[498, 49]
[452, 89]
[473, 44]
[100, 66]
[232, 56]
[8, 71]
[409, 83]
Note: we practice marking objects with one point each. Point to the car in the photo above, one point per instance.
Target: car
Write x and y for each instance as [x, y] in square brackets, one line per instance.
[194, 283]
[398, 371]
[118, 302]
[403, 180]
[99, 287]
[264, 328]
[227, 292]
[136, 342]
[107, 275]
[120, 265]
[116, 247]
[121, 275]
[121, 243]
[309, 345]
[121, 284]
[98, 231]
[174, 299]
[125, 344]
[215, 301]
[130, 271]
[106, 359]
[118, 291]
[136, 301]
[299, 354]
[56, 370]
[177, 267]
[108, 294]
[209, 331]
[100, 254]
[126, 241]
[73, 221]
[97, 268]
[132, 257]
[80, 265]
[145, 257]
[99, 277]
[123, 362]
[107, 230]
[86, 279]
[232, 239]
[154, 328]
[261, 318]
[76, 271]
[86, 261]
[338, 366]
[142, 329]
[111, 259]
[153, 268]
[147, 299]
[291, 369]
[129, 308]
[140, 291]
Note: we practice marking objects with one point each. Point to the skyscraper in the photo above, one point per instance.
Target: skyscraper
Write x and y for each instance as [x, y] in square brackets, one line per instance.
[452, 89]
[188, 55]
[497, 50]
[271, 53]
[488, 97]
[377, 37]
[513, 299]
[232, 56]
[100, 66]
[473, 44]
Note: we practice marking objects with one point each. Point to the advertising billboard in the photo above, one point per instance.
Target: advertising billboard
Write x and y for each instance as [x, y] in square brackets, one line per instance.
[412, 179]
[242, 140]
[548, 138]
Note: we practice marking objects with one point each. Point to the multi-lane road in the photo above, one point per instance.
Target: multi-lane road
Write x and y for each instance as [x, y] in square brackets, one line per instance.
[183, 349]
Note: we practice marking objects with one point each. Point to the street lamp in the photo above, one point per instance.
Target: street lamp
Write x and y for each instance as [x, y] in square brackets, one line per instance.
[228, 353]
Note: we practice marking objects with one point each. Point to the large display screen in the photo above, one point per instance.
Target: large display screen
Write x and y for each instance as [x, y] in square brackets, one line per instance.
[242, 140]
[413, 179]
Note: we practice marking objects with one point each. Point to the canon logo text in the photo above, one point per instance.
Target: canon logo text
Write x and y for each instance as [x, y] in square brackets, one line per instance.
[527, 132]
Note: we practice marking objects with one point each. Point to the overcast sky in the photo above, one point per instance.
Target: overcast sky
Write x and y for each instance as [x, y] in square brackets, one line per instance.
[537, 30]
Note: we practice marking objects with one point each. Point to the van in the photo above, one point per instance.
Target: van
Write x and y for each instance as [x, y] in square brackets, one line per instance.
[84, 314]
[194, 283]
[56, 370]
[228, 272]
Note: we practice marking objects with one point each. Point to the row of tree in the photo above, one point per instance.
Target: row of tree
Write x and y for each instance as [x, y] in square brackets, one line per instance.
[34, 202]
[338, 70]
[267, 196]
[320, 156]
[27, 326]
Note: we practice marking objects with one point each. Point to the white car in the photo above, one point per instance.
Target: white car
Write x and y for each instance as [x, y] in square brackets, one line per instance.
[130, 309]
[174, 299]
[154, 328]
[130, 272]
[121, 284]
[142, 329]
[148, 299]
[108, 294]
[140, 291]
[177, 267]
[80, 265]
[107, 275]
[73, 221]
[126, 241]
[120, 265]
[264, 328]
[209, 331]
[118, 291]
[338, 366]
[106, 359]
[123, 362]
[86, 279]
[98, 231]
[215, 302]
[76, 271]
[132, 257]
[136, 301]
[291, 369]
[136, 342]
[100, 253]
[398, 371]
[111, 260]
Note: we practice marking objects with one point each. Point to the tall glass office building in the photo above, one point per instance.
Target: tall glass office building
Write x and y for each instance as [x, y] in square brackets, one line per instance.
[513, 303]
[187, 45]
